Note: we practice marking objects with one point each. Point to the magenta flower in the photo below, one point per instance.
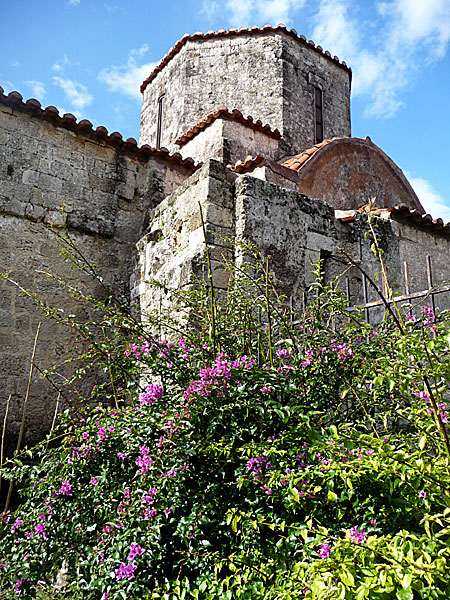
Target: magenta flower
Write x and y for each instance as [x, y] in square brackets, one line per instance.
[125, 571]
[152, 392]
[324, 551]
[422, 494]
[358, 536]
[135, 550]
[17, 523]
[283, 352]
[65, 489]
[102, 433]
[94, 481]
[40, 528]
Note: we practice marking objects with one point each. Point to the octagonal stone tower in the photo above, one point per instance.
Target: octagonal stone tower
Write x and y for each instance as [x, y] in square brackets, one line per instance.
[270, 74]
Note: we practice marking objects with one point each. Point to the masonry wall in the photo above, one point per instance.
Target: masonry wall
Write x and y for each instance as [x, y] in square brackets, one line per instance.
[228, 142]
[304, 69]
[243, 72]
[291, 228]
[269, 76]
[350, 173]
[106, 196]
[173, 250]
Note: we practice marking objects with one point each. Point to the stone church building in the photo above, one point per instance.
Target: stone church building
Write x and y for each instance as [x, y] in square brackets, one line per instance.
[254, 126]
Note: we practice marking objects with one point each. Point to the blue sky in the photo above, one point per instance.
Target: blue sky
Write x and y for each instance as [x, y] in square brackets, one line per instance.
[88, 57]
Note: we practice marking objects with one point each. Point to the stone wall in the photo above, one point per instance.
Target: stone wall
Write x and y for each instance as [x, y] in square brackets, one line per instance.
[107, 194]
[228, 142]
[304, 69]
[291, 228]
[348, 173]
[269, 76]
[173, 250]
[242, 72]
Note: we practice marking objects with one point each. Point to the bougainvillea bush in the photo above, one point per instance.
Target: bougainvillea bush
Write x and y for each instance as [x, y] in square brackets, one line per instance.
[249, 453]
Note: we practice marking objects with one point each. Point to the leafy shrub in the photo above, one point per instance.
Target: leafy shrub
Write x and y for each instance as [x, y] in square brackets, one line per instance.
[257, 454]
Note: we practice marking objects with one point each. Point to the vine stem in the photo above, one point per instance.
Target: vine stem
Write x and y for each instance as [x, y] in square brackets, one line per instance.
[212, 294]
[4, 434]
[401, 328]
[52, 428]
[24, 414]
[269, 319]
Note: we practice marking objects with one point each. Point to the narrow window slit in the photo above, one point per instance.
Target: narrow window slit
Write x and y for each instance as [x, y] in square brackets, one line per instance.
[160, 121]
[318, 110]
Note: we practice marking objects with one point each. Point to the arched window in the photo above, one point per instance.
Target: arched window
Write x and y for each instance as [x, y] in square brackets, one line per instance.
[318, 112]
[160, 120]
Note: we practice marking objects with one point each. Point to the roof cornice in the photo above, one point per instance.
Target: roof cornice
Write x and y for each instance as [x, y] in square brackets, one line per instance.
[85, 127]
[233, 115]
[198, 35]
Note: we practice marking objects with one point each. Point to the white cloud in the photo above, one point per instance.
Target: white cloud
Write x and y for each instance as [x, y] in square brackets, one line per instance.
[432, 201]
[60, 65]
[405, 35]
[16, 64]
[210, 9]
[74, 2]
[8, 86]
[419, 21]
[76, 93]
[126, 79]
[249, 12]
[278, 11]
[37, 87]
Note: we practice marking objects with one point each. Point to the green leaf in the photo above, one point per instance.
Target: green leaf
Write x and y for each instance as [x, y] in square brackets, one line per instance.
[406, 581]
[346, 577]
[405, 594]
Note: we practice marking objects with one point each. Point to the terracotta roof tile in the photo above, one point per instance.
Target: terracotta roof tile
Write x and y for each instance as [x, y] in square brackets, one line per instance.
[400, 210]
[234, 32]
[233, 115]
[248, 164]
[296, 162]
[69, 121]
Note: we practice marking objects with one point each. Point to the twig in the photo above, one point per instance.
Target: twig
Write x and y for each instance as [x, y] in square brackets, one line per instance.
[53, 424]
[3, 435]
[24, 414]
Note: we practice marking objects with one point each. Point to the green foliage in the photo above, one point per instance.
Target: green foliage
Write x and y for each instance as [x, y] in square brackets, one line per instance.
[257, 454]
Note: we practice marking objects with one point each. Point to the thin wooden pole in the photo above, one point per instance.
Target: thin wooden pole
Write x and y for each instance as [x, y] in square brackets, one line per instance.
[430, 280]
[405, 270]
[4, 434]
[24, 413]
[366, 310]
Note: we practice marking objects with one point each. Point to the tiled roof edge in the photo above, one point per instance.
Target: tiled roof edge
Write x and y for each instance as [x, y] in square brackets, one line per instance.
[198, 35]
[426, 219]
[248, 164]
[297, 161]
[308, 157]
[69, 121]
[400, 210]
[223, 113]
